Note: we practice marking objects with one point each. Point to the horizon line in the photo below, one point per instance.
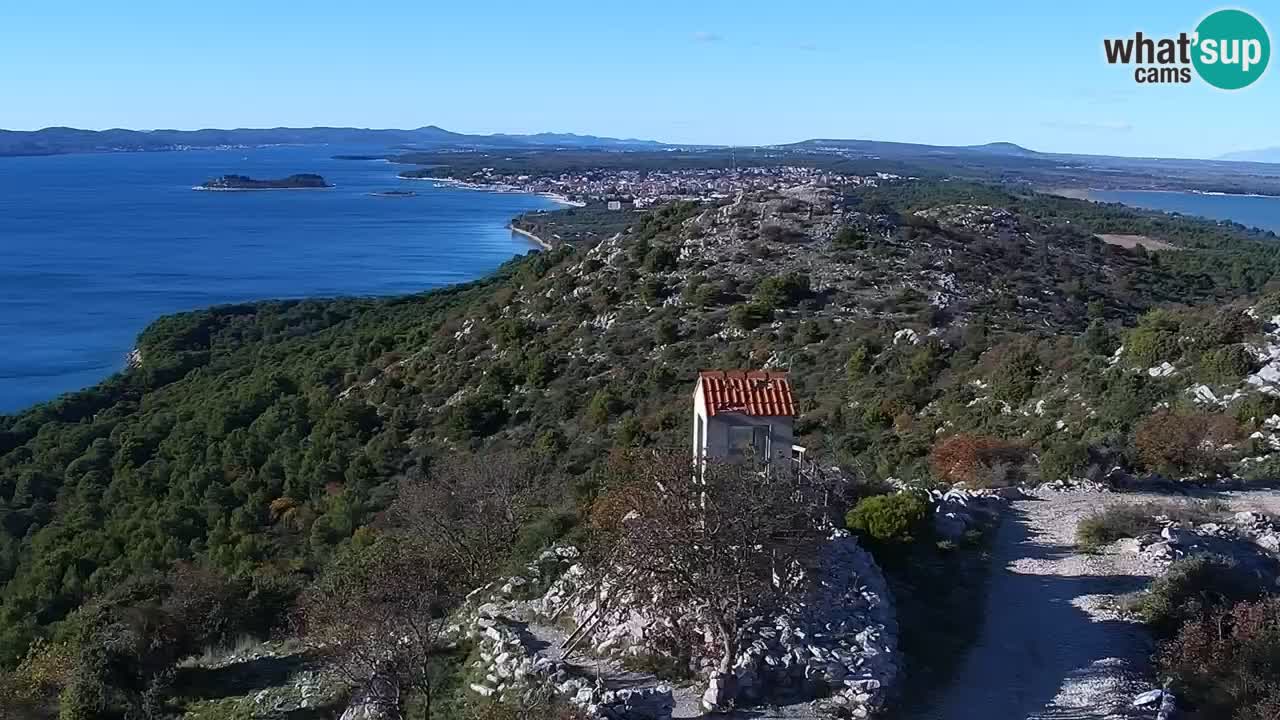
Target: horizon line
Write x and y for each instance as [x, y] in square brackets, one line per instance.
[588, 135]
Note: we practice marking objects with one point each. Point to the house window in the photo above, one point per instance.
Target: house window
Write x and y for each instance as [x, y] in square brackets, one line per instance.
[749, 440]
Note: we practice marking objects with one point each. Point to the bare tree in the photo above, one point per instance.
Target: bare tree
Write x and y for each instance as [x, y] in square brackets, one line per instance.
[469, 506]
[720, 541]
[377, 615]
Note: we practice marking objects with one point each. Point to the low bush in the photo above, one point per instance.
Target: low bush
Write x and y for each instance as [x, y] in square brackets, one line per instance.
[1135, 520]
[1063, 460]
[1178, 443]
[1255, 408]
[749, 316]
[1192, 589]
[781, 290]
[1227, 664]
[893, 518]
[32, 686]
[1154, 340]
[773, 232]
[1227, 364]
[1264, 472]
[850, 238]
[1113, 523]
[973, 459]
[1017, 374]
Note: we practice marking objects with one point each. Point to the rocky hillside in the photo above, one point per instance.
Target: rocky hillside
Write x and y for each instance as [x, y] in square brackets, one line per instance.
[260, 437]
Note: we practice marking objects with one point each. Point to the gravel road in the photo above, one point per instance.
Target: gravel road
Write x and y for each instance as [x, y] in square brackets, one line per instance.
[1049, 647]
[1052, 647]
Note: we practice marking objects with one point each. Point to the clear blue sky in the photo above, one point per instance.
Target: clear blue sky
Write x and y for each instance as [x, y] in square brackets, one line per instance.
[707, 71]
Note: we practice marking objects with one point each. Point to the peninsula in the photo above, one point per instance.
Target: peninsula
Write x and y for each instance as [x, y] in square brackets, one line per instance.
[242, 182]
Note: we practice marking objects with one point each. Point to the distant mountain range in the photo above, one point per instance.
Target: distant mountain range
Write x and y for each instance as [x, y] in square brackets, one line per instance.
[59, 140]
[1264, 155]
[1011, 150]
[873, 147]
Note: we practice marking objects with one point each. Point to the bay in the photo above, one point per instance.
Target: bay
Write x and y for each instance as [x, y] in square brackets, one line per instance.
[93, 247]
[1251, 210]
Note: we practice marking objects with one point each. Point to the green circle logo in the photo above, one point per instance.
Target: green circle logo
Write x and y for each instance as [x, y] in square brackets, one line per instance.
[1232, 49]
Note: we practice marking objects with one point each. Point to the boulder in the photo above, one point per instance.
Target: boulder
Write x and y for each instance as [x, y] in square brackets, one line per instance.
[1148, 699]
[1250, 518]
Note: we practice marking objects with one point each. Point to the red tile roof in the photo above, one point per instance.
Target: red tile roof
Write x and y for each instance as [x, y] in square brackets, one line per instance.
[750, 392]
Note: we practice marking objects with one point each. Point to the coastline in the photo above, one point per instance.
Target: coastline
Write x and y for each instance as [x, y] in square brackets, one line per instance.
[1069, 193]
[483, 187]
[541, 243]
[1210, 193]
[206, 188]
[117, 356]
[1088, 193]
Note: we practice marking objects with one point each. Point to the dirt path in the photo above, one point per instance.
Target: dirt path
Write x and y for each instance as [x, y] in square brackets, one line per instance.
[1050, 649]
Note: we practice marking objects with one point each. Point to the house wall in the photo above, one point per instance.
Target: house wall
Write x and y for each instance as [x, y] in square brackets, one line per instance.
[699, 420]
[780, 433]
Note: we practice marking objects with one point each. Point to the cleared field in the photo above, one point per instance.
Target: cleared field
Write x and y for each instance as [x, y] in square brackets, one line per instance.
[1132, 241]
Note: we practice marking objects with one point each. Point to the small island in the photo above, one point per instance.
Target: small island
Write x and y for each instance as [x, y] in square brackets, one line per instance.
[303, 181]
[394, 193]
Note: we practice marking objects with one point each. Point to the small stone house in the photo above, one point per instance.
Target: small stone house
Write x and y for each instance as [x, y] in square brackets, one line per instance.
[743, 414]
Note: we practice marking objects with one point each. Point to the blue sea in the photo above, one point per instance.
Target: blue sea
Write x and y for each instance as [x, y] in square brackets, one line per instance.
[1252, 210]
[94, 247]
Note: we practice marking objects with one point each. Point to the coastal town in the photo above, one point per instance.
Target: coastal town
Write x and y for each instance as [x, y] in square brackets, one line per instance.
[647, 188]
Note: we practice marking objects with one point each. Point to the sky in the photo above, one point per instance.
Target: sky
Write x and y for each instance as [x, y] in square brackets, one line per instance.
[695, 71]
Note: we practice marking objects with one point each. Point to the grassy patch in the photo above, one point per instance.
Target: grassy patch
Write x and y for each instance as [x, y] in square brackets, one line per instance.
[1135, 520]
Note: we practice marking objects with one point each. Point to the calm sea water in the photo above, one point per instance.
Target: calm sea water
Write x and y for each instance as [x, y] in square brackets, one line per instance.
[95, 247]
[1259, 212]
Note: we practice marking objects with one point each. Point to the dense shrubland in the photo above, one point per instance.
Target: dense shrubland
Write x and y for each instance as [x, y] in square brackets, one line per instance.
[259, 442]
[1228, 660]
[1220, 630]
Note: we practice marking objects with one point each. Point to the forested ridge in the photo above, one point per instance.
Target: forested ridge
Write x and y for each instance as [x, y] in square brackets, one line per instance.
[233, 408]
[260, 438]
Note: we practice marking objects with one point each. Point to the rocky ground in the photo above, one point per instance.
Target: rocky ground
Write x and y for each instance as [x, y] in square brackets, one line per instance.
[839, 635]
[1053, 646]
